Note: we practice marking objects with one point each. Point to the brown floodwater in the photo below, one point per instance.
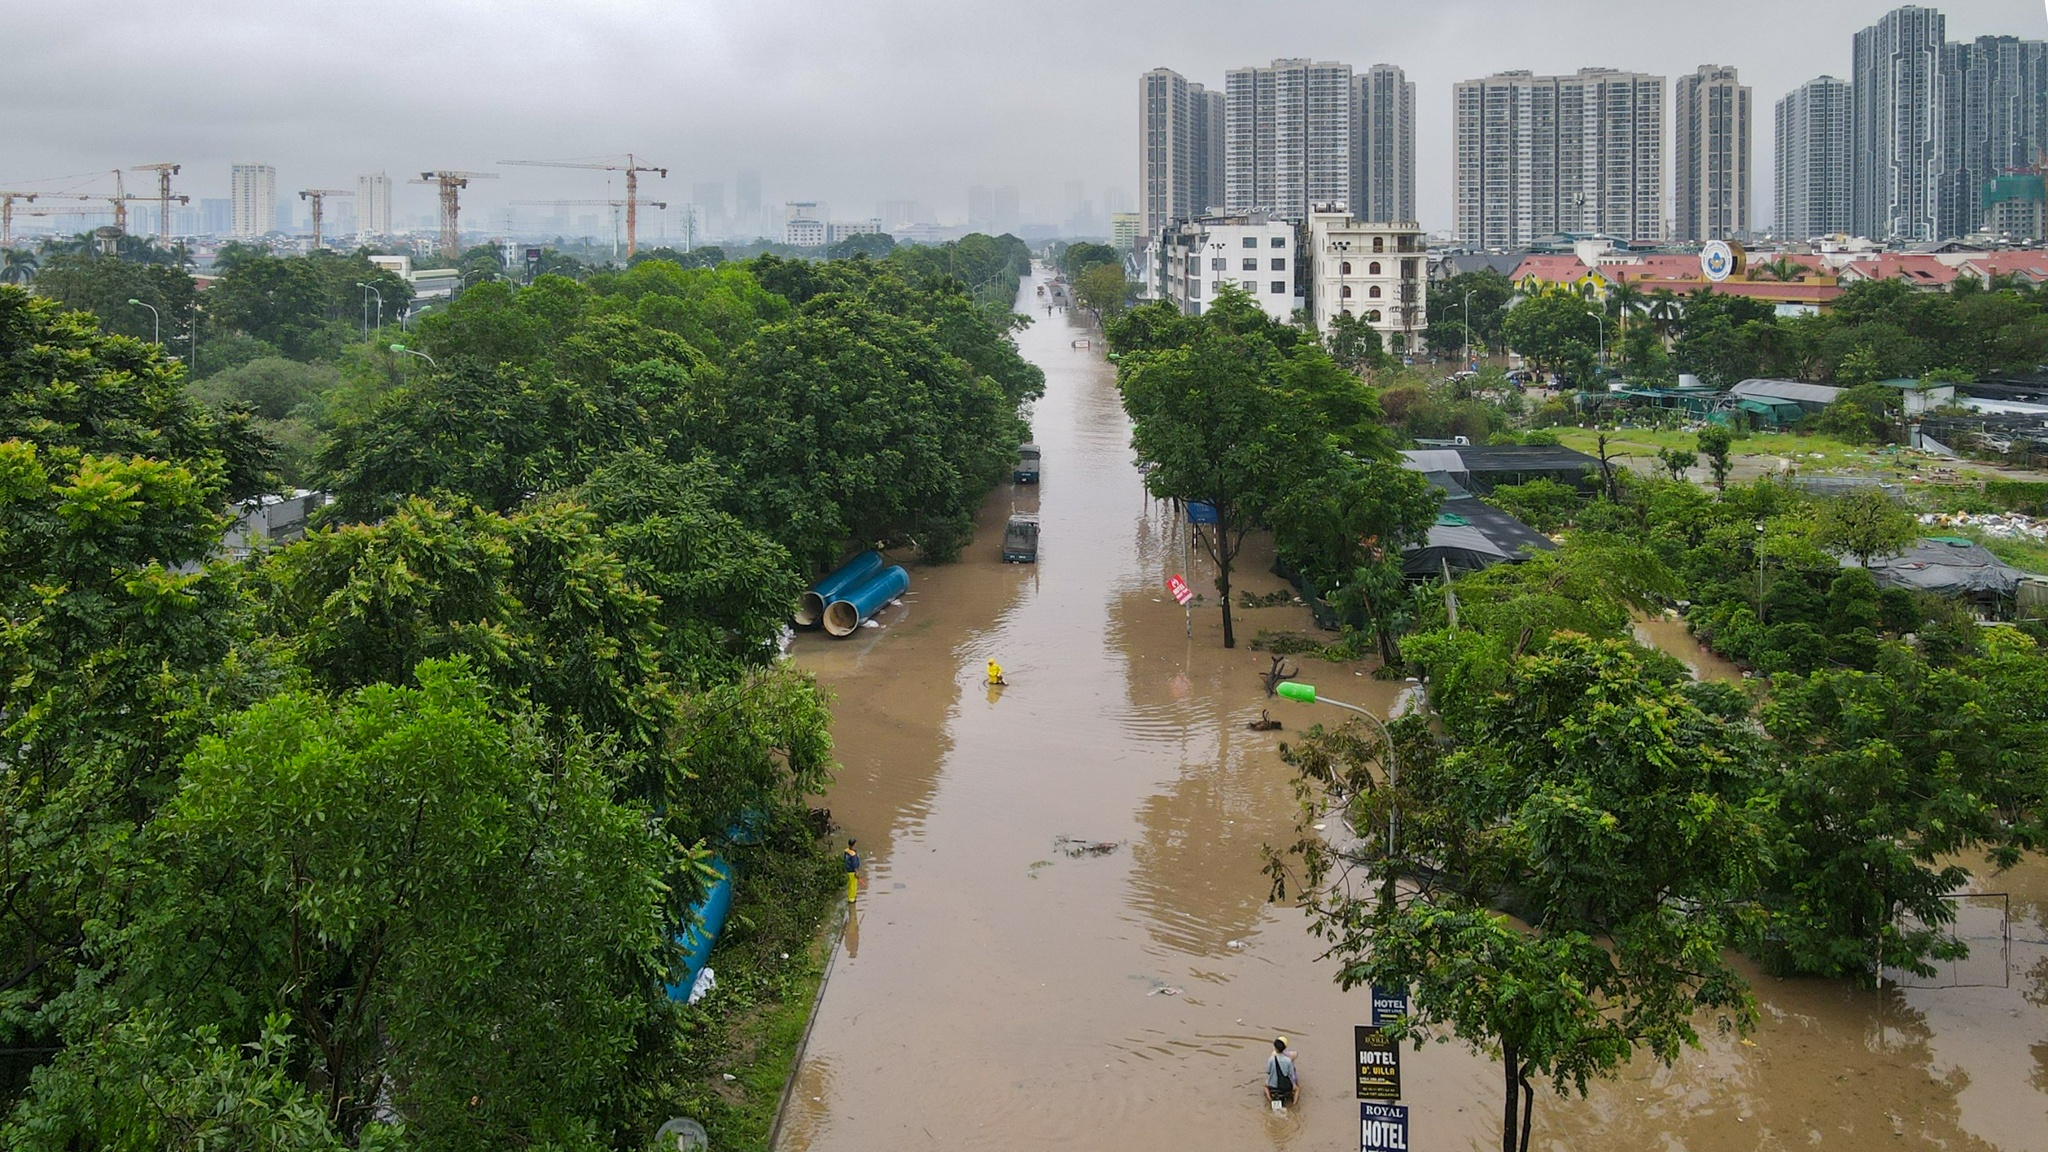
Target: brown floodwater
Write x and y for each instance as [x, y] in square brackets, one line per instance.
[995, 991]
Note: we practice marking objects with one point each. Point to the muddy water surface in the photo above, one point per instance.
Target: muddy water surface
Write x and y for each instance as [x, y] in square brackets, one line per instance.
[997, 991]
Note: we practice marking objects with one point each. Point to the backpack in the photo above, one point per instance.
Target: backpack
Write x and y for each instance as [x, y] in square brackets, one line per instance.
[1283, 1074]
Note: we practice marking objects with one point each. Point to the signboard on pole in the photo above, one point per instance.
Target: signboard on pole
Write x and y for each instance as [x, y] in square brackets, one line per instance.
[1201, 513]
[1379, 1064]
[1388, 1005]
[1382, 1127]
[1179, 588]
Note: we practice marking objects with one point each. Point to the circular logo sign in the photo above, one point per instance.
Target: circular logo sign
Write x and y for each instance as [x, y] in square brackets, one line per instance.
[1717, 260]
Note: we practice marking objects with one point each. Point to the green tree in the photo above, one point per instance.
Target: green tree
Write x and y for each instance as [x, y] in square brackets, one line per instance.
[466, 929]
[18, 266]
[1556, 332]
[1103, 289]
[1448, 314]
[1590, 798]
[1676, 461]
[1077, 258]
[1714, 442]
[1215, 431]
[1345, 522]
[103, 286]
[1864, 524]
[1545, 505]
[1354, 343]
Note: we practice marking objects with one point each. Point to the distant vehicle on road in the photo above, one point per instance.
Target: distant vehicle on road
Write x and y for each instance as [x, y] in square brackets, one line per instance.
[1020, 540]
[1026, 471]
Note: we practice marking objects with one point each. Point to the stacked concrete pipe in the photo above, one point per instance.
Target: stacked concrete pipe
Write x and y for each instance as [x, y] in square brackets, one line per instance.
[810, 608]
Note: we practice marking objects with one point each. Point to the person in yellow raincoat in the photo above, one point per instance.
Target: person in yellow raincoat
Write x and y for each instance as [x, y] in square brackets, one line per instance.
[995, 675]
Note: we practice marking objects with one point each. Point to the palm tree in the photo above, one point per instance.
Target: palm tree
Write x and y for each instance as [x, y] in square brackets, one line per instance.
[1784, 269]
[18, 266]
[1665, 311]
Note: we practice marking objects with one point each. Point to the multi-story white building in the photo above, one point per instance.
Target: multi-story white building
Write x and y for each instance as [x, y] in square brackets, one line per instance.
[253, 188]
[373, 207]
[1813, 167]
[1895, 125]
[1180, 149]
[1195, 261]
[1536, 156]
[1383, 145]
[1710, 155]
[839, 230]
[1287, 137]
[1377, 271]
[803, 225]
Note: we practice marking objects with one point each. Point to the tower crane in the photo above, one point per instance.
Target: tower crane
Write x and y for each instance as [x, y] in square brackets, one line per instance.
[451, 184]
[7, 200]
[631, 167]
[164, 172]
[317, 195]
[121, 199]
[629, 205]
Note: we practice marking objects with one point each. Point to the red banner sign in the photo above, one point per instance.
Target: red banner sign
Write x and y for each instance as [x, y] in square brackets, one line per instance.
[1179, 588]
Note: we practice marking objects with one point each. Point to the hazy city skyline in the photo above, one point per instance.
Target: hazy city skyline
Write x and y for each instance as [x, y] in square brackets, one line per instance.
[902, 100]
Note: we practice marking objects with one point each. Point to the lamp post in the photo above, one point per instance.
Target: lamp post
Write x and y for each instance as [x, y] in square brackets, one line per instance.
[370, 290]
[1306, 694]
[156, 320]
[1468, 328]
[402, 349]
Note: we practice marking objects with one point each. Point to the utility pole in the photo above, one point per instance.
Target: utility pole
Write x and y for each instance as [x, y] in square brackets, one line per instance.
[316, 196]
[451, 184]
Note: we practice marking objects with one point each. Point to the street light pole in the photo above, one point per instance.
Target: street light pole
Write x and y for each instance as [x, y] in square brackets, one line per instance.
[1468, 328]
[1306, 694]
[400, 348]
[156, 320]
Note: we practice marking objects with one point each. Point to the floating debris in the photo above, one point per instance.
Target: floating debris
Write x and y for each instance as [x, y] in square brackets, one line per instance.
[1079, 848]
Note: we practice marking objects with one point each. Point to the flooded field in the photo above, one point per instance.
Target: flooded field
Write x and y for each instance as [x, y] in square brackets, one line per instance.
[1002, 988]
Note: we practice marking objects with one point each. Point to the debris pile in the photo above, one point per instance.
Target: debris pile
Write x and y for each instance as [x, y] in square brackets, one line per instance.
[2000, 525]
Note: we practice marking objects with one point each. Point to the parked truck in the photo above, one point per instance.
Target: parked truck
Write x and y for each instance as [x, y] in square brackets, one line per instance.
[1026, 471]
[1020, 540]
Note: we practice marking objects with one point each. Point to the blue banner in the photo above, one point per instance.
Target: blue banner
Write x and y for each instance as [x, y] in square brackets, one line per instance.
[1382, 1127]
[1388, 1005]
[1200, 513]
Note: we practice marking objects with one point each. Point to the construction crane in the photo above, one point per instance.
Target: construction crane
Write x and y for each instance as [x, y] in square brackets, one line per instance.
[7, 210]
[164, 172]
[628, 205]
[451, 185]
[632, 168]
[317, 195]
[121, 199]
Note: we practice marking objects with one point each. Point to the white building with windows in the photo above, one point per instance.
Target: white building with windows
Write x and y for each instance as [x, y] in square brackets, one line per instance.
[839, 230]
[1195, 261]
[254, 188]
[1376, 271]
[803, 224]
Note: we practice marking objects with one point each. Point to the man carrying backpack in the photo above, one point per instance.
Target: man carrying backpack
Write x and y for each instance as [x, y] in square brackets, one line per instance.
[1280, 1075]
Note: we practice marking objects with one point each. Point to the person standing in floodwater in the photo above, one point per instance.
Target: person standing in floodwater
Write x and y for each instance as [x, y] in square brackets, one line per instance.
[1281, 1077]
[852, 870]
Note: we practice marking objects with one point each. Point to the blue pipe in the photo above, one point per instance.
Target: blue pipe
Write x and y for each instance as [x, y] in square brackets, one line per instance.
[810, 608]
[706, 921]
[843, 615]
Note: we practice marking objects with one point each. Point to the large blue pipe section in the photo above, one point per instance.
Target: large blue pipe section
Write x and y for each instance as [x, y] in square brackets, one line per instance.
[843, 615]
[707, 920]
[810, 608]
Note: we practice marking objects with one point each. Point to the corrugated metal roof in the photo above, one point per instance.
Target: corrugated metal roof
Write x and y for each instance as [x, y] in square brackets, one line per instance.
[1434, 460]
[1797, 391]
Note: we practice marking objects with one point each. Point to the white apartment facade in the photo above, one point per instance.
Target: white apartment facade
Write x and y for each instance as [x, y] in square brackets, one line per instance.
[1374, 270]
[1194, 262]
[803, 224]
[253, 188]
[1536, 156]
[839, 230]
[1288, 137]
[1710, 154]
[373, 207]
[1813, 166]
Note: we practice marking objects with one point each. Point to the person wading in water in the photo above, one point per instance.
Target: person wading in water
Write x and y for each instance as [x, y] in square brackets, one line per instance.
[1280, 1075]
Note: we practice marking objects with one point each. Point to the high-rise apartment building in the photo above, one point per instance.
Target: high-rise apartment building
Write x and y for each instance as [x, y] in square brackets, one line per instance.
[1994, 120]
[373, 206]
[253, 188]
[1540, 155]
[1895, 126]
[992, 211]
[1288, 138]
[1710, 155]
[1813, 166]
[1180, 149]
[1383, 145]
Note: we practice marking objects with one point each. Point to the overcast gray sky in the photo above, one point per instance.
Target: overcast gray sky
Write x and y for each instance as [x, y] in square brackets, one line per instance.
[848, 103]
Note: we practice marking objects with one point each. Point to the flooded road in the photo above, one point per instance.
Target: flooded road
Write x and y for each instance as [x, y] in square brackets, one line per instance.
[997, 991]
